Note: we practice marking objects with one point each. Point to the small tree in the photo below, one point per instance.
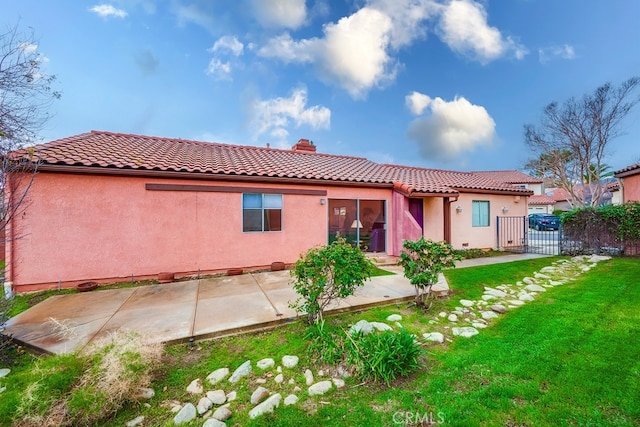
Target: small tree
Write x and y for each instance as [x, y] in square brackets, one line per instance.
[423, 261]
[324, 274]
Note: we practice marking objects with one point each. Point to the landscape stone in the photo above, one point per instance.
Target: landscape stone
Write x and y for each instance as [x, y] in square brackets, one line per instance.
[452, 318]
[266, 363]
[279, 378]
[434, 336]
[308, 376]
[321, 373]
[259, 395]
[320, 388]
[535, 288]
[338, 382]
[498, 308]
[494, 292]
[525, 297]
[3, 389]
[541, 276]
[217, 375]
[212, 422]
[222, 413]
[479, 325]
[291, 381]
[549, 269]
[361, 326]
[466, 303]
[267, 406]
[465, 331]
[292, 399]
[261, 381]
[394, 318]
[486, 315]
[186, 414]
[379, 326]
[442, 314]
[243, 370]
[516, 302]
[217, 397]
[289, 361]
[4, 372]
[195, 387]
[297, 389]
[487, 297]
[145, 393]
[134, 422]
[528, 281]
[232, 395]
[204, 405]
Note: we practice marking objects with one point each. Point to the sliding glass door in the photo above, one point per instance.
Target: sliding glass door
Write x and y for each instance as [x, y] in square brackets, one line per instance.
[360, 222]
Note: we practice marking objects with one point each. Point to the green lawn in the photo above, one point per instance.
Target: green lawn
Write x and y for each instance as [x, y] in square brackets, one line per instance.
[571, 357]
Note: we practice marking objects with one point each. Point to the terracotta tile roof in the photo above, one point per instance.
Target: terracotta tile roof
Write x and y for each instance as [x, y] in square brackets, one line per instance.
[542, 199]
[125, 152]
[559, 194]
[510, 177]
[629, 170]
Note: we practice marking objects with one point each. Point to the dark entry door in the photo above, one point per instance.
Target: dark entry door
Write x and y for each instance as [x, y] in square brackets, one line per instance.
[416, 210]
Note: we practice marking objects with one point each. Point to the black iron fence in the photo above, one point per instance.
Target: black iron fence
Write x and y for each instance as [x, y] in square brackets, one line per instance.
[515, 234]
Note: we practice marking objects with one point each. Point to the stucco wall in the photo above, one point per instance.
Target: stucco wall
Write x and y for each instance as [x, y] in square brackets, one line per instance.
[464, 235]
[433, 218]
[631, 188]
[82, 227]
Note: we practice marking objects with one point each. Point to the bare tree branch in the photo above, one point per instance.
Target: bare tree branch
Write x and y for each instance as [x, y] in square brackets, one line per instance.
[570, 142]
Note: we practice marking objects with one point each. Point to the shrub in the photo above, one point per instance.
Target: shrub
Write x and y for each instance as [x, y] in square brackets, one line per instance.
[423, 261]
[385, 355]
[120, 365]
[324, 274]
[72, 390]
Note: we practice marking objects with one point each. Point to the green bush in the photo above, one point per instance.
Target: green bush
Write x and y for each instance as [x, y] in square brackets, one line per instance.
[423, 261]
[385, 355]
[325, 274]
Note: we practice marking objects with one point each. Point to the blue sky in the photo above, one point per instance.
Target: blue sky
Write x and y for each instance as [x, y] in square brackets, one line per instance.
[432, 83]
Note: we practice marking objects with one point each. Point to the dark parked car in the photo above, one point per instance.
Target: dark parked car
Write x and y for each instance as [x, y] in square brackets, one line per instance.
[544, 222]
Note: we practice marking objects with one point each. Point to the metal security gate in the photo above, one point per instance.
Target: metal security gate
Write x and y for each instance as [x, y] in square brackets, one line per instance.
[514, 235]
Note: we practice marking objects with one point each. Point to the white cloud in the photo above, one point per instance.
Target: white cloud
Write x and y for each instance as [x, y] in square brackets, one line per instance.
[228, 43]
[352, 54]
[280, 13]
[285, 48]
[274, 116]
[463, 27]
[219, 70]
[106, 10]
[407, 18]
[28, 48]
[564, 51]
[193, 14]
[453, 128]
[417, 102]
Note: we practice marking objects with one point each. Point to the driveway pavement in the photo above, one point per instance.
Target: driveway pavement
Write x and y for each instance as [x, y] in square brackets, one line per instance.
[198, 309]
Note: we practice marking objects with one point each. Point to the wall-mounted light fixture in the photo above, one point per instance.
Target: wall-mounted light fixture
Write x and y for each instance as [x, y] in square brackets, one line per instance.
[458, 208]
[505, 209]
[323, 201]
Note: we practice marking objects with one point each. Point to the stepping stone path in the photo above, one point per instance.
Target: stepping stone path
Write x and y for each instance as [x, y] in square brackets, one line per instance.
[270, 381]
[497, 301]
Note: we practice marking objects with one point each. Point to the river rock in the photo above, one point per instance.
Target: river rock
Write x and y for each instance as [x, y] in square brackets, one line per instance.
[186, 414]
[320, 388]
[222, 413]
[267, 406]
[292, 399]
[266, 363]
[195, 387]
[259, 395]
[394, 318]
[217, 397]
[466, 331]
[242, 371]
[217, 375]
[290, 361]
[434, 336]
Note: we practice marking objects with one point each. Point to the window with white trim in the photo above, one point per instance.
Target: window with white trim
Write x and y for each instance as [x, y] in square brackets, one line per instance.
[480, 213]
[261, 212]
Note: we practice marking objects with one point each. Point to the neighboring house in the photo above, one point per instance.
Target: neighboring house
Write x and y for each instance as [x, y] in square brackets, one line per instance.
[562, 197]
[110, 207]
[539, 202]
[629, 179]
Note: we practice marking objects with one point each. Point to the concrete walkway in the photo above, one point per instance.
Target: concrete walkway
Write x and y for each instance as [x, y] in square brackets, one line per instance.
[198, 309]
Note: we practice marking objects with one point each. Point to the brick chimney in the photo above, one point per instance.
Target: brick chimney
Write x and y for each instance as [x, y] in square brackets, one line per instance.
[304, 145]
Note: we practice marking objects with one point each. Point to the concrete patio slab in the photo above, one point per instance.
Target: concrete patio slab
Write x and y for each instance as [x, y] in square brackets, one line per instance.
[198, 309]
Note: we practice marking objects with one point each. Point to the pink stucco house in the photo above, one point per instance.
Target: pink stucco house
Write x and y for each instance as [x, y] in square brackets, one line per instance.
[107, 207]
[629, 179]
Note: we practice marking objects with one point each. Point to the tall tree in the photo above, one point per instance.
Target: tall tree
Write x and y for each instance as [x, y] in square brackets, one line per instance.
[570, 143]
[26, 92]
